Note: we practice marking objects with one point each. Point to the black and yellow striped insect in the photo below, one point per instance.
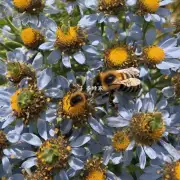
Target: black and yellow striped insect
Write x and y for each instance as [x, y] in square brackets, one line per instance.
[126, 80]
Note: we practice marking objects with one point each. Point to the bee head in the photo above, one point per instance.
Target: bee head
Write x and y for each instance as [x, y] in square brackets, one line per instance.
[109, 78]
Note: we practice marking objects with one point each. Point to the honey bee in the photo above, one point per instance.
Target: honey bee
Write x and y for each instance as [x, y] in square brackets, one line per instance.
[126, 80]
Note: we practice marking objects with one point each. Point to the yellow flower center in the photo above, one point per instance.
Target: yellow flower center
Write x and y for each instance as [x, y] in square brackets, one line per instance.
[176, 84]
[150, 6]
[172, 171]
[154, 54]
[32, 38]
[14, 102]
[71, 40]
[53, 153]
[111, 6]
[30, 6]
[96, 175]
[3, 142]
[120, 141]
[74, 104]
[177, 171]
[147, 128]
[22, 4]
[116, 56]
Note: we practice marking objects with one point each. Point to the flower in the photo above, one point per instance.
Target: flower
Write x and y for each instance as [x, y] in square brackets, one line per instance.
[30, 11]
[168, 169]
[30, 102]
[55, 154]
[164, 56]
[66, 43]
[148, 122]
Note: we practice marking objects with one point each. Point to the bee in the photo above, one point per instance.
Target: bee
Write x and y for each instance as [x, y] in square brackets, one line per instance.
[126, 80]
[76, 99]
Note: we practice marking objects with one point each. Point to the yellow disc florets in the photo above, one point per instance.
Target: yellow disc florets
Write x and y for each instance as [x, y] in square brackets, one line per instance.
[171, 171]
[147, 128]
[154, 54]
[31, 38]
[3, 142]
[75, 105]
[120, 141]
[94, 170]
[176, 84]
[71, 39]
[30, 6]
[16, 71]
[149, 6]
[53, 153]
[111, 6]
[120, 57]
[39, 174]
[27, 103]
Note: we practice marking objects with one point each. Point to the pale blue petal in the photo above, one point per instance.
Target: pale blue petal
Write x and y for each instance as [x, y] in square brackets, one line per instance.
[79, 57]
[46, 46]
[42, 128]
[66, 61]
[29, 163]
[150, 36]
[31, 139]
[80, 141]
[107, 155]
[88, 20]
[54, 57]
[150, 152]
[76, 163]
[6, 166]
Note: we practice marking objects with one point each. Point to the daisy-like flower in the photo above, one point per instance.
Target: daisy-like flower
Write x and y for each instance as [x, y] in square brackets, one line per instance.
[148, 122]
[30, 11]
[164, 56]
[66, 43]
[107, 12]
[30, 102]
[95, 169]
[56, 154]
[158, 169]
[21, 64]
[151, 10]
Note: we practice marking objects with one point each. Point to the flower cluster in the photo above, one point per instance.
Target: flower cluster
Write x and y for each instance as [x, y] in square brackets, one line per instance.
[89, 89]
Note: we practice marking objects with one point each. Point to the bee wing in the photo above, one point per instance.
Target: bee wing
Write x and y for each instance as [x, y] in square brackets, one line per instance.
[133, 71]
[131, 82]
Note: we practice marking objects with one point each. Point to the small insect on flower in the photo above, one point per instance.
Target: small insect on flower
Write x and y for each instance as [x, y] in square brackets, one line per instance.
[76, 105]
[123, 80]
[53, 153]
[111, 6]
[28, 103]
[30, 6]
[16, 71]
[31, 38]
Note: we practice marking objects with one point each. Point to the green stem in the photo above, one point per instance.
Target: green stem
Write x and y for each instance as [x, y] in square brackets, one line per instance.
[14, 28]
[5, 47]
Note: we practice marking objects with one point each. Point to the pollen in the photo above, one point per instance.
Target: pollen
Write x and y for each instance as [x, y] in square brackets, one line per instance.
[14, 102]
[74, 104]
[111, 6]
[154, 54]
[28, 103]
[176, 83]
[120, 141]
[172, 171]
[147, 128]
[3, 142]
[98, 175]
[53, 153]
[94, 169]
[120, 57]
[149, 6]
[70, 39]
[32, 38]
